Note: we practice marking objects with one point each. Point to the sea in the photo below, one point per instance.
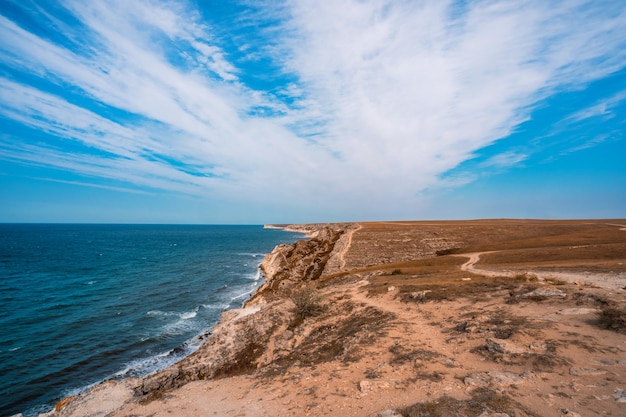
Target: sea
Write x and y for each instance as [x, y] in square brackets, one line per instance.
[85, 303]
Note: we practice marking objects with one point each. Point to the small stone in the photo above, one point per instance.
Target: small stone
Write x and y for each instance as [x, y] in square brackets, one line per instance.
[569, 413]
[545, 293]
[389, 413]
[501, 378]
[365, 386]
[502, 346]
[391, 288]
[480, 379]
[620, 396]
[504, 378]
[576, 311]
[450, 363]
[419, 295]
[576, 371]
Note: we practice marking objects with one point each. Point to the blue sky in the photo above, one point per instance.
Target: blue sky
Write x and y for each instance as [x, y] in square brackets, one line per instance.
[182, 111]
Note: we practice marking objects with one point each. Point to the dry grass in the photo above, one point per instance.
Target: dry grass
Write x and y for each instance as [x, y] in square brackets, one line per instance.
[532, 243]
[482, 400]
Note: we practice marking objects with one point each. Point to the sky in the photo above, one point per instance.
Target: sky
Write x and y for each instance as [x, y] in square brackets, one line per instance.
[301, 111]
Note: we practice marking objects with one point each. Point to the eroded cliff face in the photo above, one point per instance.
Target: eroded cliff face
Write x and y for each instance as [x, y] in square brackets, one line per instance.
[288, 267]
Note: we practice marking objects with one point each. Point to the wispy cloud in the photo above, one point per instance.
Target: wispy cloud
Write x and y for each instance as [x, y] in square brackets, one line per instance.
[603, 108]
[376, 96]
[504, 160]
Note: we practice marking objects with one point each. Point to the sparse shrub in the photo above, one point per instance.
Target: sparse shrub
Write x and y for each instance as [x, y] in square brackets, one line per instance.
[555, 281]
[483, 401]
[449, 251]
[613, 318]
[308, 303]
[525, 277]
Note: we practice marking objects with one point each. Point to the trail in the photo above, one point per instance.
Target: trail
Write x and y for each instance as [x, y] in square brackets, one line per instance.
[344, 250]
[614, 281]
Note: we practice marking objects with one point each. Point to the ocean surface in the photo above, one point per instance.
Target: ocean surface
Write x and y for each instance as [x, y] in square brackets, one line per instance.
[80, 304]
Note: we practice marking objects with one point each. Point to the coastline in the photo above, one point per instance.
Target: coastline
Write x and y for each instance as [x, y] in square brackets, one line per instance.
[109, 394]
[393, 320]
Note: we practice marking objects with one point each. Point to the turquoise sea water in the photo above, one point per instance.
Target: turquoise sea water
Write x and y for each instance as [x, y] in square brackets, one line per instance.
[83, 303]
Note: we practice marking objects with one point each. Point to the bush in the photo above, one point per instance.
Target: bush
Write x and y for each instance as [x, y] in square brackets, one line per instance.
[308, 303]
[613, 318]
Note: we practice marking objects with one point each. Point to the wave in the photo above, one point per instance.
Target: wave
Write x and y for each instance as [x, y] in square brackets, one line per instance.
[252, 254]
[189, 315]
[183, 316]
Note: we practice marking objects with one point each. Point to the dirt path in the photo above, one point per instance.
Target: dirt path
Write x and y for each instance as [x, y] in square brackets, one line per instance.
[346, 248]
[614, 281]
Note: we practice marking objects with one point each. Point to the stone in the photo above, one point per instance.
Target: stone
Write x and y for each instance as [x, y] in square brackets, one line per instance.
[365, 386]
[501, 378]
[545, 293]
[576, 371]
[503, 346]
[504, 378]
[569, 413]
[419, 295]
[620, 396]
[389, 413]
[576, 311]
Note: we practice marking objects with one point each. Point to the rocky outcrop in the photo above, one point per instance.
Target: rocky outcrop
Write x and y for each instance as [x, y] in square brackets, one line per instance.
[289, 266]
[237, 342]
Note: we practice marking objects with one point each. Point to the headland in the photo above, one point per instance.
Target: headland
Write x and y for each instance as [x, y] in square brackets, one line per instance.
[470, 318]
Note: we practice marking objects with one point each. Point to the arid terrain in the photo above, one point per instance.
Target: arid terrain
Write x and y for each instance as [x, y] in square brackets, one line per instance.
[457, 318]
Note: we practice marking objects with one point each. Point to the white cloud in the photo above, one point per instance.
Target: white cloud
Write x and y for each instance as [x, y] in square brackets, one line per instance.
[388, 97]
[504, 160]
[602, 108]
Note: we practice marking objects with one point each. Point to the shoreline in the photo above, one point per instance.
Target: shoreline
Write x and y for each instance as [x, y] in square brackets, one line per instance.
[117, 380]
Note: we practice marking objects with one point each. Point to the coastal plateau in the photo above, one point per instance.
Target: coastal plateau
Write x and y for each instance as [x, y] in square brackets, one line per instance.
[458, 318]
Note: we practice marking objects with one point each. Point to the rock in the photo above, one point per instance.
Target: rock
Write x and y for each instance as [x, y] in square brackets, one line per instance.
[545, 293]
[479, 379]
[569, 413]
[419, 295]
[576, 371]
[296, 263]
[391, 288]
[576, 311]
[504, 378]
[620, 396]
[488, 413]
[389, 413]
[365, 386]
[503, 346]
[501, 378]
